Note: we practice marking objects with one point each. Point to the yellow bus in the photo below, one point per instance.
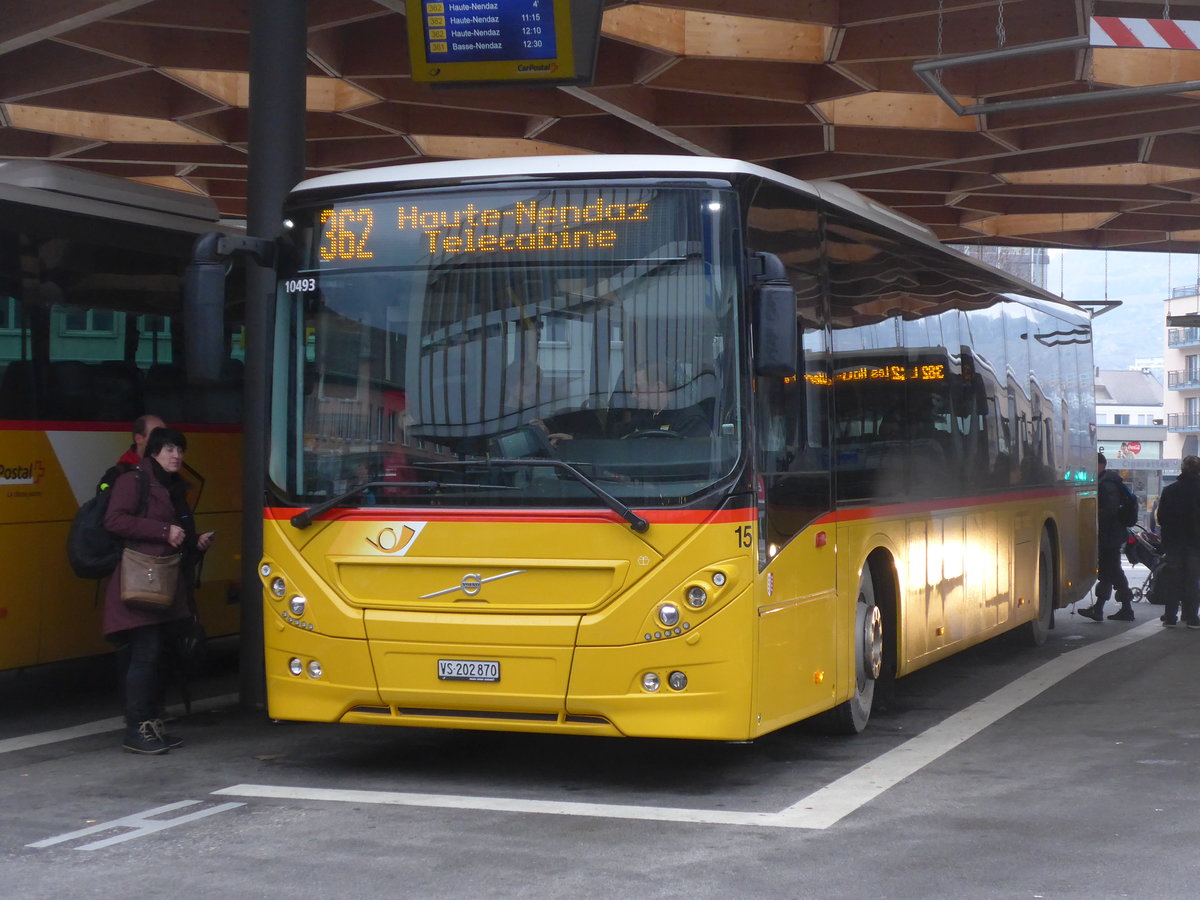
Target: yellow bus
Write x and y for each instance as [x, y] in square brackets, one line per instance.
[91, 338]
[652, 446]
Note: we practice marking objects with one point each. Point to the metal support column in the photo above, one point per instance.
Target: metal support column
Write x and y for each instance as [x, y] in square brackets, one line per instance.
[278, 51]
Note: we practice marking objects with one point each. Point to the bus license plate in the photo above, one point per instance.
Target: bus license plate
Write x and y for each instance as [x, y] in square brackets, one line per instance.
[468, 670]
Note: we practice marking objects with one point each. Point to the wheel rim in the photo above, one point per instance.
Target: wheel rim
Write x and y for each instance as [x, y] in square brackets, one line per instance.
[870, 630]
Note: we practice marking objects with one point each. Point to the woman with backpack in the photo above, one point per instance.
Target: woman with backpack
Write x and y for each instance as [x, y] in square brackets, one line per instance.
[149, 511]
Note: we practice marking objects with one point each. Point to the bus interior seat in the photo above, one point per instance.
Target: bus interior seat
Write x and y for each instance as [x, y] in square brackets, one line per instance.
[70, 391]
[118, 391]
[166, 392]
[16, 390]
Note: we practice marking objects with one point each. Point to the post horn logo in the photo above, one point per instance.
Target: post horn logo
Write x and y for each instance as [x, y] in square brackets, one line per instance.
[396, 540]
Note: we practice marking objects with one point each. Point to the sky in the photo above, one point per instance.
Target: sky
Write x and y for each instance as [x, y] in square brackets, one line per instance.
[1141, 281]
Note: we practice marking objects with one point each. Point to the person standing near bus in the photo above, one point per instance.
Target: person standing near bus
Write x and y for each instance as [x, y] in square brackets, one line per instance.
[1179, 525]
[163, 527]
[1110, 539]
[142, 426]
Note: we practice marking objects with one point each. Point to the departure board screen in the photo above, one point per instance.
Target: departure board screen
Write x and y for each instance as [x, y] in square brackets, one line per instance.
[490, 40]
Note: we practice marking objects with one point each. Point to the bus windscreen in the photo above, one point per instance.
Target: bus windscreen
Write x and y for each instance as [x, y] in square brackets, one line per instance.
[434, 335]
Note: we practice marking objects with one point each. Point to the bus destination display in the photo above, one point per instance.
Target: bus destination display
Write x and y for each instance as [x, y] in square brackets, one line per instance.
[490, 40]
[360, 233]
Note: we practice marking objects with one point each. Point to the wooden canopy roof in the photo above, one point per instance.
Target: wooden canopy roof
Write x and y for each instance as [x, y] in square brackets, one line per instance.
[158, 90]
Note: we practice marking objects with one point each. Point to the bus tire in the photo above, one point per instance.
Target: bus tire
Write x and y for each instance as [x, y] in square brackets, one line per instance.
[1034, 632]
[851, 717]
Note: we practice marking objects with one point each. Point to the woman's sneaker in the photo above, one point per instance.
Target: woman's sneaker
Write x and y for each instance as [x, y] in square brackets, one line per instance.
[144, 738]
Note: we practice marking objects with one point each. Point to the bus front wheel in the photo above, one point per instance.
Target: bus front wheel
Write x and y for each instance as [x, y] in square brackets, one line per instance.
[851, 716]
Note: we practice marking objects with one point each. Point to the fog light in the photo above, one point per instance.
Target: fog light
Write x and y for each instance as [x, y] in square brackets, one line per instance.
[295, 666]
[677, 681]
[696, 596]
[650, 682]
[278, 587]
[719, 579]
[264, 570]
[297, 605]
[668, 614]
[314, 669]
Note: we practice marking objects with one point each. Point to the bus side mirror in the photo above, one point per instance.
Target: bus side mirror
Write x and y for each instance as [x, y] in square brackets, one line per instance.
[204, 310]
[776, 346]
[204, 298]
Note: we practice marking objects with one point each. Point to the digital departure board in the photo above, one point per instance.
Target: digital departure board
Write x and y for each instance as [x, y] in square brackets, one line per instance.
[455, 41]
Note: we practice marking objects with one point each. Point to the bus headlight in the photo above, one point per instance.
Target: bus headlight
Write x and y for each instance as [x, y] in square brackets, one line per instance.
[314, 669]
[650, 682]
[696, 596]
[668, 614]
[297, 605]
[278, 587]
[677, 681]
[295, 666]
[264, 570]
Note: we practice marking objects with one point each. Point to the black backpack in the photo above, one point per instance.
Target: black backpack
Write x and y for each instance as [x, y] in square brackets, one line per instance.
[1127, 509]
[91, 550]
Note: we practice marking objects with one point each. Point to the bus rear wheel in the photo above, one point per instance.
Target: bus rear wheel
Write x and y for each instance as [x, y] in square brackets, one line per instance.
[851, 716]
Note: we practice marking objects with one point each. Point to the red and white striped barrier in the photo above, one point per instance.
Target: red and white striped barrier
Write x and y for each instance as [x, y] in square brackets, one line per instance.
[1159, 34]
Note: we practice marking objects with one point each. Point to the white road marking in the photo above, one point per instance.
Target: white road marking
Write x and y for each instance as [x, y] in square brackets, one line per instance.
[819, 810]
[140, 825]
[101, 726]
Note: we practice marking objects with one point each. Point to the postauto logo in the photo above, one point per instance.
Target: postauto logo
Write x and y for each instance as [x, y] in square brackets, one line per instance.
[22, 473]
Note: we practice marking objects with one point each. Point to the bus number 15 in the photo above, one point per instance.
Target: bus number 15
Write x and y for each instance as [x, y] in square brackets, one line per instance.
[745, 536]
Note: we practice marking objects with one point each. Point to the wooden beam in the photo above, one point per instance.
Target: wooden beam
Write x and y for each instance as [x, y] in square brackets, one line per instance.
[719, 36]
[113, 128]
[25, 23]
[886, 110]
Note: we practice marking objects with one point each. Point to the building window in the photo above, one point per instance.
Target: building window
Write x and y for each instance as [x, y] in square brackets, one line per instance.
[1121, 419]
[88, 321]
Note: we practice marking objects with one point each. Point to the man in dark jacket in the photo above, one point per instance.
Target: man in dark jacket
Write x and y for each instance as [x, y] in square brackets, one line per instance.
[1110, 540]
[1179, 524]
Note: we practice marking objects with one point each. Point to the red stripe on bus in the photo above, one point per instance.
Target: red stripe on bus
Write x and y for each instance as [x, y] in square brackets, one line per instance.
[538, 516]
[666, 516]
[945, 505]
[102, 427]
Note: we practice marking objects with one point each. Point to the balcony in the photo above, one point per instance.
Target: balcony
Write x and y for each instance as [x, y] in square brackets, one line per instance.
[1183, 380]
[1183, 337]
[1181, 423]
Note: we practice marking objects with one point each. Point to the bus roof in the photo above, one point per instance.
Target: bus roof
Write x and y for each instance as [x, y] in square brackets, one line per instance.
[42, 184]
[519, 167]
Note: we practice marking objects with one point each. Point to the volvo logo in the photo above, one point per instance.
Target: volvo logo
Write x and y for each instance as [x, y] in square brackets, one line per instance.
[472, 583]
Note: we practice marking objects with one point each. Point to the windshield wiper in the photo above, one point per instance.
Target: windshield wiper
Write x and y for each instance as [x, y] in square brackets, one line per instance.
[636, 522]
[304, 518]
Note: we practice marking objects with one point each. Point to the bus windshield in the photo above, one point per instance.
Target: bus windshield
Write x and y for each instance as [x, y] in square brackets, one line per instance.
[434, 346]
